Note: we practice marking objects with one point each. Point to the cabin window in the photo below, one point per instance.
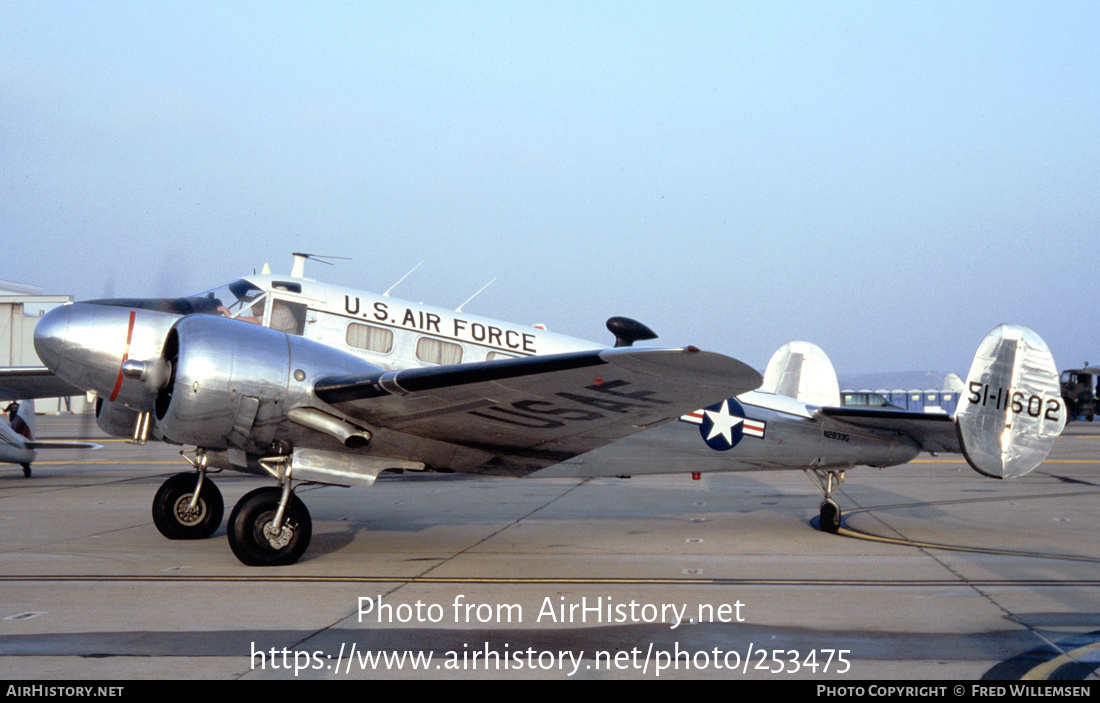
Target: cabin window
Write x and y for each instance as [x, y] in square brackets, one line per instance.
[435, 351]
[498, 355]
[375, 339]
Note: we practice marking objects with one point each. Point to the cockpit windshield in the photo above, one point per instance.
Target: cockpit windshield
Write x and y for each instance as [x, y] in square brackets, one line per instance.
[231, 300]
[234, 299]
[241, 299]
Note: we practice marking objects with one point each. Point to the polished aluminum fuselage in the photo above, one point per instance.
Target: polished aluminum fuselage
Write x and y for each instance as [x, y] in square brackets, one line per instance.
[794, 438]
[230, 385]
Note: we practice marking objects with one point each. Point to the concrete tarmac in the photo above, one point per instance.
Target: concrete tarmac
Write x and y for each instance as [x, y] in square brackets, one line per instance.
[938, 573]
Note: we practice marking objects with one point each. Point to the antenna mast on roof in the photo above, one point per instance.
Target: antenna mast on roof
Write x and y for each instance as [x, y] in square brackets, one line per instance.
[299, 269]
[387, 293]
[459, 308]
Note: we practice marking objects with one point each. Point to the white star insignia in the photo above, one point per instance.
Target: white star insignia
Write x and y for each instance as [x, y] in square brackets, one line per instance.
[723, 422]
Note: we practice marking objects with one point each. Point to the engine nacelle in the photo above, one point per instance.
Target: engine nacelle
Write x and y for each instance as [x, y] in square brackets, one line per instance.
[115, 419]
[108, 349]
[233, 383]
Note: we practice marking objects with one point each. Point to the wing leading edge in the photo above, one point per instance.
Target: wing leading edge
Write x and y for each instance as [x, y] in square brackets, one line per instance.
[532, 412]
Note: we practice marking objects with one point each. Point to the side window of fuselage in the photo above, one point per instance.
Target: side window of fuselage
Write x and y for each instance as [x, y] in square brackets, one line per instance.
[435, 351]
[369, 337]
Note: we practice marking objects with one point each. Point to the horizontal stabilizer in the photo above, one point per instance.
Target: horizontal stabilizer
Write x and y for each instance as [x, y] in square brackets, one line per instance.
[1011, 410]
[931, 432]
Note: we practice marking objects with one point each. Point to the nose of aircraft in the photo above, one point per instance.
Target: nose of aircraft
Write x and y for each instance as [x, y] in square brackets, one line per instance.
[49, 336]
[86, 345]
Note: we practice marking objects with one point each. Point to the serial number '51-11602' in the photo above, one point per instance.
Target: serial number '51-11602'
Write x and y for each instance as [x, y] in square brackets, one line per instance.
[1016, 401]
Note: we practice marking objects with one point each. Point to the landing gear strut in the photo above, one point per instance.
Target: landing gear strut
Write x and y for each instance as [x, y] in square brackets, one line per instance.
[188, 506]
[830, 517]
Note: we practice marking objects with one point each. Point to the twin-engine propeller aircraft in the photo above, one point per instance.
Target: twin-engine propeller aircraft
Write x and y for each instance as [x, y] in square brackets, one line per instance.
[301, 382]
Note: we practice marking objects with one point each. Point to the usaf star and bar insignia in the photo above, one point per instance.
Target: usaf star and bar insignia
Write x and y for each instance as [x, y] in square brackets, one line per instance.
[724, 424]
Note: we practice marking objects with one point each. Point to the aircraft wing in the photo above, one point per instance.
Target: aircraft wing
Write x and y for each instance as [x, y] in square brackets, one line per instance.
[536, 411]
[933, 432]
[27, 382]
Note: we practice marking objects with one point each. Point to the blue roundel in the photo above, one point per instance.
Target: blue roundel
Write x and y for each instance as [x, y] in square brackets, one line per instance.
[723, 425]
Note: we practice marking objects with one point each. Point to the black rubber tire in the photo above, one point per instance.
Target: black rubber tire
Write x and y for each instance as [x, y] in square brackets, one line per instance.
[171, 501]
[246, 529]
[830, 517]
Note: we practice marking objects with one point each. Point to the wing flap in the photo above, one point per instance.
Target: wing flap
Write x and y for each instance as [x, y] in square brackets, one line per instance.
[537, 411]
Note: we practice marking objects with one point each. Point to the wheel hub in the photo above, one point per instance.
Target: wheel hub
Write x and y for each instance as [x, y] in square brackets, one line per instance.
[185, 515]
[277, 538]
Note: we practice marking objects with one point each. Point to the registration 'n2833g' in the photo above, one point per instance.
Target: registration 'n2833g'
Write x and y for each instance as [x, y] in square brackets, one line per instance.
[1019, 403]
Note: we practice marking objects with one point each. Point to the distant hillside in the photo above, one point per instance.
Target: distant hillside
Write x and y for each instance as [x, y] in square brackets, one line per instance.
[895, 380]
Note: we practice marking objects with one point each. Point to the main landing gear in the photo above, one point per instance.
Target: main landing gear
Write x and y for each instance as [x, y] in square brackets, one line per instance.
[830, 517]
[268, 526]
[187, 506]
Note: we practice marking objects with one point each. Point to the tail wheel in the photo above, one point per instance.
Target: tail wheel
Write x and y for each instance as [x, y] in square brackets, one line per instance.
[172, 512]
[829, 519]
[252, 534]
[829, 481]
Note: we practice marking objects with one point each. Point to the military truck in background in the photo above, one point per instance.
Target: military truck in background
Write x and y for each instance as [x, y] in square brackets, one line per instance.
[1079, 391]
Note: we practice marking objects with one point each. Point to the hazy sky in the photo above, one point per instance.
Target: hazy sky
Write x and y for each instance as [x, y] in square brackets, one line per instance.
[889, 180]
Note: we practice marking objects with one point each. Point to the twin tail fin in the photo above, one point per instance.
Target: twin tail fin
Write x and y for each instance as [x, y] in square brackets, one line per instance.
[1011, 409]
